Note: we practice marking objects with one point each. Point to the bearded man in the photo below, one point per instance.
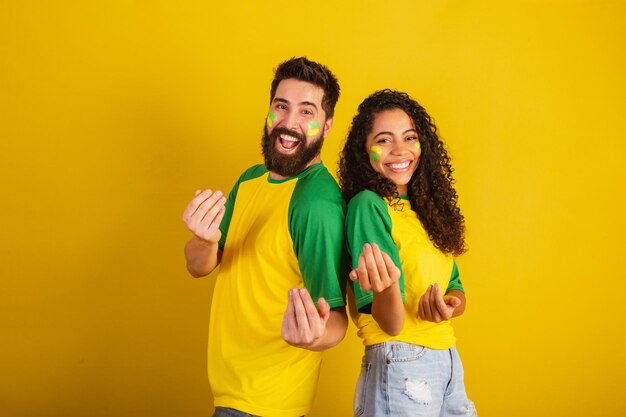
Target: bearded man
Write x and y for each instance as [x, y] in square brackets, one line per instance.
[279, 297]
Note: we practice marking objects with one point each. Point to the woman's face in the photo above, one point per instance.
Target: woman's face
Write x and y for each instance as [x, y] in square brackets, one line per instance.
[393, 147]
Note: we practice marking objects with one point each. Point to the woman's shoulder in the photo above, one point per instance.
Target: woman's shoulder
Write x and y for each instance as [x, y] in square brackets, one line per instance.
[366, 198]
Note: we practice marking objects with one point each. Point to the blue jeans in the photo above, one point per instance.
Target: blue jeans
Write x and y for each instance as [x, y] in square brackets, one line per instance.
[400, 379]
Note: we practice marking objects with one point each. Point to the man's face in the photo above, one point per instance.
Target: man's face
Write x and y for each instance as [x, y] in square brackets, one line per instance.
[295, 128]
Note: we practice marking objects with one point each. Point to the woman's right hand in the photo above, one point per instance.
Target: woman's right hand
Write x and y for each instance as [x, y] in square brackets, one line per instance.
[376, 271]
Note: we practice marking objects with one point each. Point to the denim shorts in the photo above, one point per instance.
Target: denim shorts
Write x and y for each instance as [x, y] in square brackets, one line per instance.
[401, 379]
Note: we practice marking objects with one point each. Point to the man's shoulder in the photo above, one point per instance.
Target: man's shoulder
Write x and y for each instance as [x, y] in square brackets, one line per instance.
[253, 172]
[317, 185]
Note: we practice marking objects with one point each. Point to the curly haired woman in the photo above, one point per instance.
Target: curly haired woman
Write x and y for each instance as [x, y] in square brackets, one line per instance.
[403, 229]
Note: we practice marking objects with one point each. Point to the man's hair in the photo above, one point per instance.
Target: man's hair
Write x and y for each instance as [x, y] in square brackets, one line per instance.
[431, 191]
[303, 69]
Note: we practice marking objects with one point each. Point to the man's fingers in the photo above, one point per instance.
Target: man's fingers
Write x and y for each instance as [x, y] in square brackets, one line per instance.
[205, 209]
[212, 212]
[309, 306]
[323, 308]
[290, 312]
[289, 326]
[302, 320]
[194, 204]
[215, 224]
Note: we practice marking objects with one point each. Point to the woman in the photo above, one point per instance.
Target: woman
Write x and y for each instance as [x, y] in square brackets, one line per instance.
[403, 229]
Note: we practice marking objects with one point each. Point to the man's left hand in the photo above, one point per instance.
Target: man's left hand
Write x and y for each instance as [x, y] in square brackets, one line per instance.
[303, 323]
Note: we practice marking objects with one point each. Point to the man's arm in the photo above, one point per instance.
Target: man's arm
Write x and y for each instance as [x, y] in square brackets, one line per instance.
[203, 216]
[202, 257]
[308, 327]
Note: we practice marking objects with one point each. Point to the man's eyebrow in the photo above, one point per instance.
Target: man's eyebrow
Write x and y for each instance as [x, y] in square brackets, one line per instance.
[304, 103]
[309, 103]
[391, 134]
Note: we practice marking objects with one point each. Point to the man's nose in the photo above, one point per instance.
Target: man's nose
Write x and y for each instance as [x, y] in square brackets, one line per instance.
[292, 121]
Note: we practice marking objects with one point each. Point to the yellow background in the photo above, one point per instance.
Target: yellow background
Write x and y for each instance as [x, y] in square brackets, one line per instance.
[112, 113]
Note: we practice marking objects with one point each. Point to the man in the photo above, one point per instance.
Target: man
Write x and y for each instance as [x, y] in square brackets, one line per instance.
[278, 239]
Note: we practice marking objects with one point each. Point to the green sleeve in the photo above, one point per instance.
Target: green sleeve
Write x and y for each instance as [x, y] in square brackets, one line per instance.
[455, 280]
[368, 221]
[253, 172]
[316, 218]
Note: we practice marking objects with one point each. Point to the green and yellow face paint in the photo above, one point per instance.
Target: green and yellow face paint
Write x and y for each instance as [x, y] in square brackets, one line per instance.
[418, 145]
[375, 152]
[314, 128]
[270, 119]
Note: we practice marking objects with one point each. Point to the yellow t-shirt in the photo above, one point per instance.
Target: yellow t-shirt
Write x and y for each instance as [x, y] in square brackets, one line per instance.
[276, 235]
[395, 227]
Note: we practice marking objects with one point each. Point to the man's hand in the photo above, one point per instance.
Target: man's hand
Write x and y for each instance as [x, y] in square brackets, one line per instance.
[304, 325]
[376, 271]
[204, 214]
[435, 307]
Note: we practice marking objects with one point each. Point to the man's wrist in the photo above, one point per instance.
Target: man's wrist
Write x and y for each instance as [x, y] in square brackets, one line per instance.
[205, 243]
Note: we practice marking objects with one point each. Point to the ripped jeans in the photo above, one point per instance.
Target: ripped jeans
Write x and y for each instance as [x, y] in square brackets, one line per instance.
[401, 379]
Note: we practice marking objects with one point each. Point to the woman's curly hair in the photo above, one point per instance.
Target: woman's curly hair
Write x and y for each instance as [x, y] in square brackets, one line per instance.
[431, 192]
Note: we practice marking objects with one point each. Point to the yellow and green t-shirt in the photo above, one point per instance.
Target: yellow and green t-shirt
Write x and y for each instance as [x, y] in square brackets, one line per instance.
[395, 227]
[276, 235]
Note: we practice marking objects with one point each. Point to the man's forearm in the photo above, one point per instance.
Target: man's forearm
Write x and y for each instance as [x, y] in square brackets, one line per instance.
[202, 257]
[336, 327]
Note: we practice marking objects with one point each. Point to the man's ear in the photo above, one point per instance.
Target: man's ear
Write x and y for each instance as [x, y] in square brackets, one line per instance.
[327, 125]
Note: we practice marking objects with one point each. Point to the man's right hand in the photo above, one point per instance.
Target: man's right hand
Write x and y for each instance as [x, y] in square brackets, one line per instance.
[204, 214]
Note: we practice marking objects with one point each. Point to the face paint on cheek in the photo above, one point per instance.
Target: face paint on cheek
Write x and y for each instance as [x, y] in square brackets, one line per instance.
[314, 128]
[375, 152]
[418, 145]
[270, 119]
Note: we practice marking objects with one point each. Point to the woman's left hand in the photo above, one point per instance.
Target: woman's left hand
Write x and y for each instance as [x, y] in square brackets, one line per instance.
[435, 307]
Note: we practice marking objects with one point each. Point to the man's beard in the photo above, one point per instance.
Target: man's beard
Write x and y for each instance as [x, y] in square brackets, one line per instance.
[293, 164]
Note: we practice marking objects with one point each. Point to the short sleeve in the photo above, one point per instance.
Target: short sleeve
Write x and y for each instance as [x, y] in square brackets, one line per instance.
[455, 280]
[316, 220]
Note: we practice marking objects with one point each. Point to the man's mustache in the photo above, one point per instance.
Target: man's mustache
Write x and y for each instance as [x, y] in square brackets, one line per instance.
[283, 131]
